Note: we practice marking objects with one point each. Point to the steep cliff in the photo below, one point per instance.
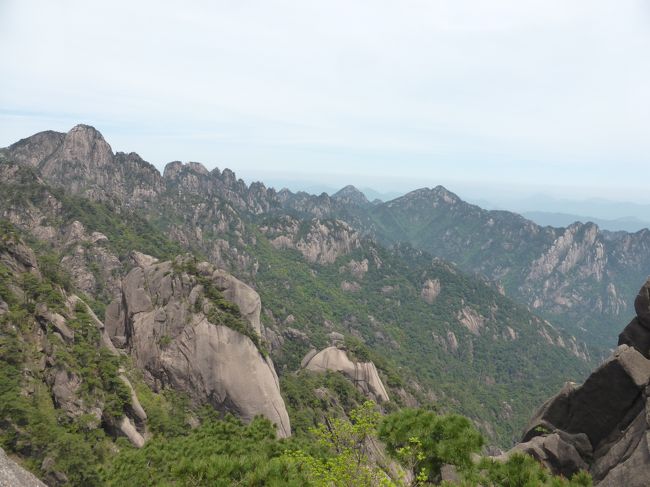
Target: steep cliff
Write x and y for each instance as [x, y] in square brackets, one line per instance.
[173, 319]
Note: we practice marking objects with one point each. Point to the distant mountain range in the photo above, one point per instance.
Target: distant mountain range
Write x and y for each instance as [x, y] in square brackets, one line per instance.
[625, 224]
[425, 299]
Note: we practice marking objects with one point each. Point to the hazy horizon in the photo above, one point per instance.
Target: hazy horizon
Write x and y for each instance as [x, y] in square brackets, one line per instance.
[493, 101]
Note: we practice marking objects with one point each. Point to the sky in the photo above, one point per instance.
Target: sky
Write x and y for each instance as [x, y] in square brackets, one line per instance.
[493, 99]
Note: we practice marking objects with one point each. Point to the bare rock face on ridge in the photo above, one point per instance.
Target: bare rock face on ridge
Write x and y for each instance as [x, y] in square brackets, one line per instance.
[175, 332]
[602, 426]
[363, 374]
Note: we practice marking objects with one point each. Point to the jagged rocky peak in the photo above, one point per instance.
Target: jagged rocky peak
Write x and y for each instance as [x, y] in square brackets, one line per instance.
[83, 162]
[170, 319]
[351, 195]
[32, 150]
[86, 143]
[603, 425]
[175, 168]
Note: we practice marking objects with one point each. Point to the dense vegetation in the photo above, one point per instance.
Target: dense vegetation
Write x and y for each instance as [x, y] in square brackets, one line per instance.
[384, 320]
[312, 294]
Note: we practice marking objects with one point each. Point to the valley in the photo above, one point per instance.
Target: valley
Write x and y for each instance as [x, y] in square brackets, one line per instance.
[137, 303]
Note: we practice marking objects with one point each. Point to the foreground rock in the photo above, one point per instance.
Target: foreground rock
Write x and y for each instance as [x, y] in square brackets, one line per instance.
[603, 425]
[363, 374]
[164, 318]
[13, 475]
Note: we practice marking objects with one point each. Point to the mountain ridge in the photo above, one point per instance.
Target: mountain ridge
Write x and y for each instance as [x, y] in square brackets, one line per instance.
[260, 235]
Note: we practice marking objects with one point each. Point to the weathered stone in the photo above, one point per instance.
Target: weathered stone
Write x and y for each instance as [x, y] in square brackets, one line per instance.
[65, 388]
[336, 337]
[242, 295]
[142, 260]
[619, 451]
[137, 298]
[636, 335]
[176, 347]
[362, 375]
[610, 411]
[129, 430]
[634, 471]
[449, 473]
[13, 475]
[599, 405]
[308, 357]
[114, 319]
[558, 455]
[135, 406]
[642, 305]
[430, 290]
[58, 322]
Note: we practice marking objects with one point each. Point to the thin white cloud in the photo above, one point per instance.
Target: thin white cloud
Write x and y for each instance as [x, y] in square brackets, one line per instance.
[523, 90]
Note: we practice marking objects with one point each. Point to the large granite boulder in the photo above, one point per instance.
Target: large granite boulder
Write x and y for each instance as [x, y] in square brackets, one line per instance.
[162, 319]
[602, 426]
[13, 475]
[636, 335]
[642, 305]
[363, 374]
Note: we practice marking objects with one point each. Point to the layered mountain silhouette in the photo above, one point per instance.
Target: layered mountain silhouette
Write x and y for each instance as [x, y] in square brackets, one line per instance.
[203, 280]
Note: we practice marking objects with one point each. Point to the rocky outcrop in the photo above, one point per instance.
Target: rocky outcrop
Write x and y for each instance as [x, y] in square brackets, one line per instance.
[83, 162]
[603, 425]
[318, 241]
[364, 375]
[430, 290]
[167, 320]
[13, 475]
[242, 295]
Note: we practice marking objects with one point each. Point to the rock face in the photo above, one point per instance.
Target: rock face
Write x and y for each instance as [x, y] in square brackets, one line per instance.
[363, 374]
[603, 425]
[13, 475]
[242, 295]
[162, 319]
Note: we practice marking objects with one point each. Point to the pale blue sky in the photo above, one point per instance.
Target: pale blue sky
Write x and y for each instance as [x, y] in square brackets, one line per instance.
[541, 95]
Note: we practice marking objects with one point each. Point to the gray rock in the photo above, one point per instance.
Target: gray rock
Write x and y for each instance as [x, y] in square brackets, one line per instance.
[142, 260]
[642, 305]
[137, 298]
[560, 456]
[177, 347]
[129, 430]
[362, 375]
[242, 295]
[601, 403]
[610, 411]
[636, 335]
[634, 470]
[449, 473]
[58, 322]
[308, 357]
[616, 453]
[136, 407]
[13, 475]
[64, 389]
